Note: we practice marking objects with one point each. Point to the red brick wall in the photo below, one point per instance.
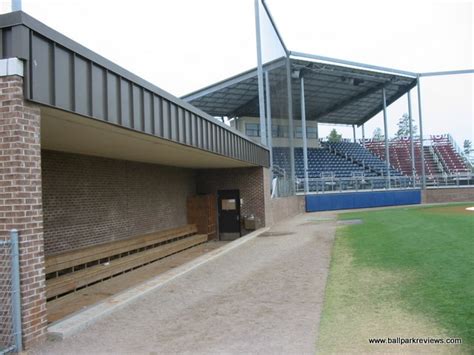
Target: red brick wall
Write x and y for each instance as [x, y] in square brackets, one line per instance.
[460, 194]
[250, 182]
[89, 200]
[20, 199]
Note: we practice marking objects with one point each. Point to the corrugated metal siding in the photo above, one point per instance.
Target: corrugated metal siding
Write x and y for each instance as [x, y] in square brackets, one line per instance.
[60, 77]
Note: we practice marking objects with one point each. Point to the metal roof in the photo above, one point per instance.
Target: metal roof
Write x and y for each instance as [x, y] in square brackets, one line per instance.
[336, 91]
[62, 74]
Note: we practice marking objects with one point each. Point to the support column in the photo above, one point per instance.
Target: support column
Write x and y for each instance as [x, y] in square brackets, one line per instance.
[387, 151]
[354, 133]
[420, 117]
[16, 5]
[20, 195]
[412, 146]
[261, 99]
[269, 122]
[291, 134]
[303, 132]
[363, 136]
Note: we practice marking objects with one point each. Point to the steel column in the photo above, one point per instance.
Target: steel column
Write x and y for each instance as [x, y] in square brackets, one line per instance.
[16, 5]
[261, 97]
[290, 121]
[269, 122]
[420, 117]
[16, 292]
[363, 136]
[303, 132]
[387, 151]
[354, 133]
[412, 146]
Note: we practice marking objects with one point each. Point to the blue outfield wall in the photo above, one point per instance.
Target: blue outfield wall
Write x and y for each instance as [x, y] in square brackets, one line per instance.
[366, 199]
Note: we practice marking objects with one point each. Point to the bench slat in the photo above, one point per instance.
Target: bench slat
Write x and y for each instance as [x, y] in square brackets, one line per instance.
[88, 254]
[70, 282]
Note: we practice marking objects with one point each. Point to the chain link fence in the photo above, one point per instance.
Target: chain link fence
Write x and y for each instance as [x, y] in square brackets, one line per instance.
[10, 318]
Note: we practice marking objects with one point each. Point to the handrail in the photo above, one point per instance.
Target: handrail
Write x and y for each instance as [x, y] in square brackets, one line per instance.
[442, 166]
[356, 183]
[461, 153]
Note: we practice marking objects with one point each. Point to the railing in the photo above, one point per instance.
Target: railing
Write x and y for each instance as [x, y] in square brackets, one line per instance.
[282, 187]
[357, 183]
[461, 153]
[438, 158]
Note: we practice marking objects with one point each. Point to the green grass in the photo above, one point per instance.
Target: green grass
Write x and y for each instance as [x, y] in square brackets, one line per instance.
[418, 260]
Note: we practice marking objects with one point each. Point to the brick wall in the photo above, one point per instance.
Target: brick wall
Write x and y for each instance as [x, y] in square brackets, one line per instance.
[90, 200]
[460, 194]
[20, 199]
[250, 182]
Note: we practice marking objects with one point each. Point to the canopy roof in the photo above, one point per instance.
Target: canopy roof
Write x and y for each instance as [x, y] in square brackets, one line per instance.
[336, 91]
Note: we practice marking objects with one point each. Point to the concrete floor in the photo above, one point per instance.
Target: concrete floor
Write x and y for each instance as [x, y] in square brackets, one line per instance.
[76, 301]
[265, 297]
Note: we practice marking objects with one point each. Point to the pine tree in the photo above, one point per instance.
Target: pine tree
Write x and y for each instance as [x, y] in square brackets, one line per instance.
[334, 137]
[378, 135]
[404, 126]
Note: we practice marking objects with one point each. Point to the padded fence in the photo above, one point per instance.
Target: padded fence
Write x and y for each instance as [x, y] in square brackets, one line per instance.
[10, 327]
[350, 200]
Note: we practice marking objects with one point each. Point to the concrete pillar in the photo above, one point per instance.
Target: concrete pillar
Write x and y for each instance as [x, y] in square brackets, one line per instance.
[20, 196]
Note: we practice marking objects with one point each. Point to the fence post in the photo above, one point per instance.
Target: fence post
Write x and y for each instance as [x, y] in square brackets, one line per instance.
[16, 293]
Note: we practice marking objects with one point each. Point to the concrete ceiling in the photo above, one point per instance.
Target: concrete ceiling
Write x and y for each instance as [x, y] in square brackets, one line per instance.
[68, 132]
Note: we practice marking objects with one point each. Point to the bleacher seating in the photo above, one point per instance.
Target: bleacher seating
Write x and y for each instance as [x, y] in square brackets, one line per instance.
[450, 159]
[363, 157]
[439, 152]
[321, 160]
[351, 162]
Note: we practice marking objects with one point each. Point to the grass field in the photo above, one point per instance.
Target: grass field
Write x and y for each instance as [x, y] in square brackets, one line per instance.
[406, 272]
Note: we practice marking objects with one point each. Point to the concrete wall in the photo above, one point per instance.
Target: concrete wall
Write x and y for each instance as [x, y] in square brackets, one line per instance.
[283, 208]
[90, 200]
[459, 194]
[20, 200]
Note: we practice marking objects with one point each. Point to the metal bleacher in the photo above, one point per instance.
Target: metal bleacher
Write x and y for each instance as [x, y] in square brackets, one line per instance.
[347, 165]
[362, 156]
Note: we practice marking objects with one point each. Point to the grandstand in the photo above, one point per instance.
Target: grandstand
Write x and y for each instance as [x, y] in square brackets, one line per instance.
[345, 162]
[441, 155]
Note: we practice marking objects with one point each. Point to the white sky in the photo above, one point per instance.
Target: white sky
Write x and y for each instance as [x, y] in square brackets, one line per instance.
[184, 45]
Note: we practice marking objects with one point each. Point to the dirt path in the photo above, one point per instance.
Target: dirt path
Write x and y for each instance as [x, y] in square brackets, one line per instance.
[263, 297]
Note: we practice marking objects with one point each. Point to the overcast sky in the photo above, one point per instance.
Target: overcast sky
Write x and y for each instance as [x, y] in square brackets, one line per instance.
[183, 45]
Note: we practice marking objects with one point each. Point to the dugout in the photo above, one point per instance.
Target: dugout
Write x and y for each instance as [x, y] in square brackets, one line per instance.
[94, 156]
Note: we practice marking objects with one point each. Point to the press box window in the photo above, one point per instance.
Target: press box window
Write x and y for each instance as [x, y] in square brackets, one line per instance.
[298, 132]
[252, 129]
[279, 131]
[311, 132]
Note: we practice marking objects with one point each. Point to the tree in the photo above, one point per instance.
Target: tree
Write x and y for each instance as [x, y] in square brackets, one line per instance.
[378, 135]
[404, 126]
[467, 146]
[334, 136]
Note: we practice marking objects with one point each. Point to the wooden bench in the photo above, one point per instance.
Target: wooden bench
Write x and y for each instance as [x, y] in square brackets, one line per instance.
[78, 268]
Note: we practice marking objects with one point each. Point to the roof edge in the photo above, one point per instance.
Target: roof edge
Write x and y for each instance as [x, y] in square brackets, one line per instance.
[19, 18]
